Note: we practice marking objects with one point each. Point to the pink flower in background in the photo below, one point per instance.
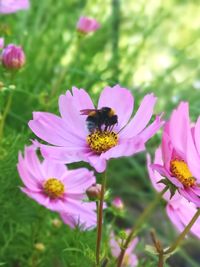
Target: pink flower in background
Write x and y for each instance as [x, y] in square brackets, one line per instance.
[1, 43]
[130, 259]
[179, 210]
[118, 203]
[12, 6]
[54, 186]
[75, 138]
[13, 57]
[181, 154]
[86, 25]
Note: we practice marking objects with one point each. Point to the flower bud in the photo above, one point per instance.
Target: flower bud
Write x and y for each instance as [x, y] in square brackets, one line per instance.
[13, 57]
[86, 25]
[94, 192]
[39, 246]
[56, 223]
[118, 203]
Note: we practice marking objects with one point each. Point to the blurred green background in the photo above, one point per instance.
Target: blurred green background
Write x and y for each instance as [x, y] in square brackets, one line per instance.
[146, 46]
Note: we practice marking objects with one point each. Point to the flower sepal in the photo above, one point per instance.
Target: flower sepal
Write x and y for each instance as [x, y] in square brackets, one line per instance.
[172, 188]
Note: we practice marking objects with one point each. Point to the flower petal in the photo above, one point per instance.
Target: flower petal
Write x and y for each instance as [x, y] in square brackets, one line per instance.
[78, 181]
[179, 127]
[197, 135]
[150, 130]
[53, 130]
[125, 148]
[141, 118]
[30, 181]
[172, 214]
[63, 154]
[70, 107]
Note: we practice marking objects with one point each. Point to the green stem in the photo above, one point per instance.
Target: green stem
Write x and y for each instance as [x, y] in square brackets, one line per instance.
[139, 223]
[100, 220]
[6, 111]
[181, 237]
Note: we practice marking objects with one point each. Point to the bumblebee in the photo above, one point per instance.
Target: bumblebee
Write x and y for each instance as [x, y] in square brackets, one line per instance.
[97, 118]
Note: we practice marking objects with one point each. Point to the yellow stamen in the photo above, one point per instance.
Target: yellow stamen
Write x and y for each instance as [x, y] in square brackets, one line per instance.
[181, 171]
[54, 188]
[102, 141]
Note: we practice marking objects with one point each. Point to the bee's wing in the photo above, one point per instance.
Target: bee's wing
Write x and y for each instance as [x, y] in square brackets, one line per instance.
[86, 111]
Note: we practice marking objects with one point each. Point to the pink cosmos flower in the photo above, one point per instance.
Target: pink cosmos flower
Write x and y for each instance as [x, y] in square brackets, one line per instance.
[1, 43]
[181, 154]
[13, 57]
[130, 259]
[52, 185]
[12, 6]
[73, 138]
[179, 210]
[86, 25]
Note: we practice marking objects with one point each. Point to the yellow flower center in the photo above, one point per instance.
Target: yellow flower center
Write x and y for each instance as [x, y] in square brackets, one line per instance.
[54, 188]
[181, 171]
[102, 141]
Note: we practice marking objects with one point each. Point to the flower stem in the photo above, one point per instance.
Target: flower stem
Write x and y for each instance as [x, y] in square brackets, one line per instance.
[139, 224]
[5, 113]
[180, 238]
[100, 220]
[161, 260]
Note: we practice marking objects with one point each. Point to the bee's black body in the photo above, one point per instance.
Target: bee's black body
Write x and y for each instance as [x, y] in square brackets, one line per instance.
[98, 117]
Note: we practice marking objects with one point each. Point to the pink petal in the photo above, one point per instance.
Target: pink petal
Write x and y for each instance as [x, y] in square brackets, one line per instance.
[141, 118]
[97, 162]
[193, 159]
[52, 169]
[120, 100]
[179, 127]
[150, 130]
[167, 148]
[125, 148]
[83, 214]
[63, 154]
[52, 129]
[33, 164]
[39, 197]
[30, 181]
[197, 135]
[190, 195]
[70, 107]
[174, 218]
[78, 181]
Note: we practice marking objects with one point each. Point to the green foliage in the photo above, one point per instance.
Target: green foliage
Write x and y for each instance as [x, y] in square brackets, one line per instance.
[156, 49]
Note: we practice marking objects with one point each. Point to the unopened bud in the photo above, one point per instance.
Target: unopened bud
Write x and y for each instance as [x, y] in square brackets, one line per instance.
[39, 246]
[13, 57]
[86, 25]
[118, 203]
[56, 223]
[94, 192]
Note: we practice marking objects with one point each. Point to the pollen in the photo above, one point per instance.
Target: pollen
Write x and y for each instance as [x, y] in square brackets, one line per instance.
[54, 188]
[102, 141]
[181, 171]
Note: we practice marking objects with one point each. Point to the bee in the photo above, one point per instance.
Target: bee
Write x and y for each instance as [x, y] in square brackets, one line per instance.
[97, 118]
